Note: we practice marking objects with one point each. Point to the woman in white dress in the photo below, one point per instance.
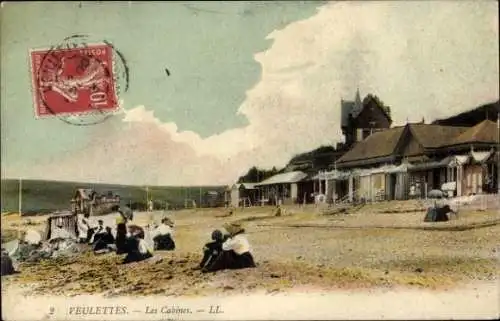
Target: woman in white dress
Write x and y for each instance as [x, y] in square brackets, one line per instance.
[86, 228]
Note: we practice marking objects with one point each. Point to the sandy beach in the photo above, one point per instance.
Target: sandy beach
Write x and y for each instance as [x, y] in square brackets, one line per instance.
[367, 264]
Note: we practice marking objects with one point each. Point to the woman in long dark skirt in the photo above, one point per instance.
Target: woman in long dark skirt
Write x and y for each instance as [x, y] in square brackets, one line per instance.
[121, 235]
[235, 251]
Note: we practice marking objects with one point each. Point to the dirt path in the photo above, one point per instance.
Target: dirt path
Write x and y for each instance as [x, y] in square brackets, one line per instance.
[474, 301]
[455, 227]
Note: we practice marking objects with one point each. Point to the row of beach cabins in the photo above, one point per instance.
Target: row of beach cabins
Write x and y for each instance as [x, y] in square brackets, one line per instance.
[397, 163]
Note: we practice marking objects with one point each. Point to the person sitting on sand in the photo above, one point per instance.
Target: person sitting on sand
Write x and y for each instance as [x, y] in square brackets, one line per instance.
[135, 230]
[7, 267]
[100, 227]
[102, 240]
[162, 236]
[235, 251]
[212, 250]
[98, 232]
[137, 248]
[279, 210]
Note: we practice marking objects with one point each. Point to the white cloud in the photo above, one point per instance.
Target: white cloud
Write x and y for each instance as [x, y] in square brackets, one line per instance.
[443, 62]
[424, 59]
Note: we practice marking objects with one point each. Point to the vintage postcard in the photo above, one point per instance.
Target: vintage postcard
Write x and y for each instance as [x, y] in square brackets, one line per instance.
[250, 160]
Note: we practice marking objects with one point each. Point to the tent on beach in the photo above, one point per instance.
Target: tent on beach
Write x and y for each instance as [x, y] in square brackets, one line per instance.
[69, 223]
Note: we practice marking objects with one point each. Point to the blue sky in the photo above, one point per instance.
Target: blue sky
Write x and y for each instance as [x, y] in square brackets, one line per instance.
[251, 83]
[208, 49]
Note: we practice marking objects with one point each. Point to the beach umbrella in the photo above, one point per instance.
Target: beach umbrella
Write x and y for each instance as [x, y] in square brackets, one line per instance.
[33, 237]
[126, 212]
[435, 193]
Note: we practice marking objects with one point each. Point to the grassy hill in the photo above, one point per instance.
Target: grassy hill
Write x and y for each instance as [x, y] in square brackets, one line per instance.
[46, 196]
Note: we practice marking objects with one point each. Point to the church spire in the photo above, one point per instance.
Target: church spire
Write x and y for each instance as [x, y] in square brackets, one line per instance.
[357, 100]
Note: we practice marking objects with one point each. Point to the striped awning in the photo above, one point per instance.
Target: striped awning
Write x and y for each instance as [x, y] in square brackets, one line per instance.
[284, 178]
[332, 175]
[457, 160]
[403, 168]
[431, 165]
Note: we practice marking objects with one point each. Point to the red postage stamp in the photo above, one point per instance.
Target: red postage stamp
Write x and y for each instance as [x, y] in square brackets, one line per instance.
[73, 81]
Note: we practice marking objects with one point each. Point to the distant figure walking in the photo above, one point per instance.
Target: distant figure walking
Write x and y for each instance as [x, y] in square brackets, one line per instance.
[235, 251]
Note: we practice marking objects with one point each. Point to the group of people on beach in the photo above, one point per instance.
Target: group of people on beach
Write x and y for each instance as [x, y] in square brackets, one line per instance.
[229, 250]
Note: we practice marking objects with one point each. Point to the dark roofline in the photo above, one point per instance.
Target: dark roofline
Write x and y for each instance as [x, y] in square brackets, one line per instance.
[339, 161]
[367, 161]
[494, 106]
[391, 158]
[462, 146]
[379, 104]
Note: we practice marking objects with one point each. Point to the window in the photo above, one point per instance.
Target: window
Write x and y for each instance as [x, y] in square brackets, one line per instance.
[359, 135]
[377, 181]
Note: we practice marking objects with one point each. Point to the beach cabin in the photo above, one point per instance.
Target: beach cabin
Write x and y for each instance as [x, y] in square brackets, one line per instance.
[244, 194]
[281, 188]
[409, 161]
[67, 220]
[211, 199]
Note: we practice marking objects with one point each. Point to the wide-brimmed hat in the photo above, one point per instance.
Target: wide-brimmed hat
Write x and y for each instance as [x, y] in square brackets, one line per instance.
[233, 228]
